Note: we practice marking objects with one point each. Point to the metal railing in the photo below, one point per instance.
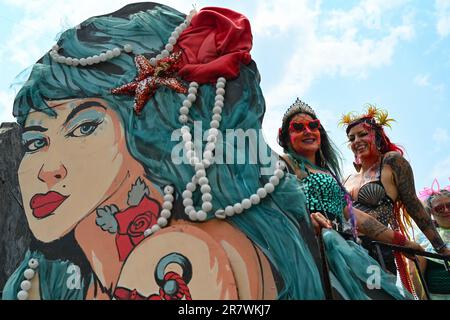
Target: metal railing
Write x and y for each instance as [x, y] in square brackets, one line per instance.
[414, 253]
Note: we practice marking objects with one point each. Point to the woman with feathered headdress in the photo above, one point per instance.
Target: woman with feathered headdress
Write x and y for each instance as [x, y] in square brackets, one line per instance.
[383, 185]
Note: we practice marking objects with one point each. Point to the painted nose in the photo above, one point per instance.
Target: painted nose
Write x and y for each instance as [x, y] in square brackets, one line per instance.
[51, 176]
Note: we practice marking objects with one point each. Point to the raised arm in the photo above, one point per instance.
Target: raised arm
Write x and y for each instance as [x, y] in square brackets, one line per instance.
[404, 181]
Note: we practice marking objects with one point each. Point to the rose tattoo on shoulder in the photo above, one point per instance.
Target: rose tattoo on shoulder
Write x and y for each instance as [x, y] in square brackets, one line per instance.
[130, 223]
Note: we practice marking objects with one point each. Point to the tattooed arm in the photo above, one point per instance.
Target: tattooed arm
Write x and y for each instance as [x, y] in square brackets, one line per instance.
[374, 229]
[404, 181]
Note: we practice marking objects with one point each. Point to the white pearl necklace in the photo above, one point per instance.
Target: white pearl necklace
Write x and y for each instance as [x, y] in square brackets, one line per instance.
[102, 57]
[128, 48]
[29, 273]
[199, 178]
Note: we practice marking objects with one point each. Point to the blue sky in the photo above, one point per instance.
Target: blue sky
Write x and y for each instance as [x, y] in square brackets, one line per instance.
[336, 55]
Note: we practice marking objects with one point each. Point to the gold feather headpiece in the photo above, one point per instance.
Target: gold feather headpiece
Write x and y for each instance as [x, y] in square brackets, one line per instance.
[372, 115]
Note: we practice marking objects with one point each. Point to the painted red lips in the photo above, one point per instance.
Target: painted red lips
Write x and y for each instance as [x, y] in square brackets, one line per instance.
[44, 205]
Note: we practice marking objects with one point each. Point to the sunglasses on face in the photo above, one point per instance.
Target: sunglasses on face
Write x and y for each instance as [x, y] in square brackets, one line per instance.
[440, 209]
[302, 125]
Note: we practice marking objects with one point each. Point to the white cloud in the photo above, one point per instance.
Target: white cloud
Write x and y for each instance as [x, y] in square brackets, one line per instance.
[329, 44]
[441, 136]
[272, 18]
[422, 80]
[326, 44]
[367, 14]
[6, 102]
[441, 171]
[43, 20]
[443, 17]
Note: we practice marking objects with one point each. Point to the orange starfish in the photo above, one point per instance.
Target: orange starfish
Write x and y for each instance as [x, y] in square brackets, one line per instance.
[150, 78]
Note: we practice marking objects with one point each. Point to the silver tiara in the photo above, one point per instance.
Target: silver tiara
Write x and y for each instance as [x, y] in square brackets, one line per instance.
[298, 107]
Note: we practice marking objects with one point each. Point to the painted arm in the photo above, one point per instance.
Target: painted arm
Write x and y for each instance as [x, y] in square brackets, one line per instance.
[366, 224]
[404, 180]
[375, 230]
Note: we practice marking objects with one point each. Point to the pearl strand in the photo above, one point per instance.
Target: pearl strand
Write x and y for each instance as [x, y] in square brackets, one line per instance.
[200, 166]
[173, 38]
[255, 198]
[166, 212]
[102, 57]
[128, 48]
[29, 273]
[199, 178]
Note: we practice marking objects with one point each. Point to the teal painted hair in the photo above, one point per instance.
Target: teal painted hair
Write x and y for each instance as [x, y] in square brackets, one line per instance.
[279, 225]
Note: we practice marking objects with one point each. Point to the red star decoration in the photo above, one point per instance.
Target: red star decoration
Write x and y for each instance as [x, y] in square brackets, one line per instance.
[150, 78]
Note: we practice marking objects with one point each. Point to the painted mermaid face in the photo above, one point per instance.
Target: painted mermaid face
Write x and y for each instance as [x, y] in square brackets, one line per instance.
[362, 141]
[73, 162]
[304, 134]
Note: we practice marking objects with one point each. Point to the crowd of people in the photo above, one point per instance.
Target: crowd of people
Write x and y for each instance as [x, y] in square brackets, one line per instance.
[114, 217]
[378, 200]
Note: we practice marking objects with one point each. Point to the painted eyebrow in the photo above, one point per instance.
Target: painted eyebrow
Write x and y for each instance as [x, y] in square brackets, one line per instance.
[81, 107]
[34, 128]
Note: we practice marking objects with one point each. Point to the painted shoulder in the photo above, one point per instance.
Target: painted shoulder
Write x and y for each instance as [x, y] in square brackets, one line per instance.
[185, 254]
[393, 157]
[216, 260]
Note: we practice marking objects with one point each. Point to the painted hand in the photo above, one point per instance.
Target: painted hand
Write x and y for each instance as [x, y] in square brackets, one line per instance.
[319, 221]
[413, 245]
[445, 252]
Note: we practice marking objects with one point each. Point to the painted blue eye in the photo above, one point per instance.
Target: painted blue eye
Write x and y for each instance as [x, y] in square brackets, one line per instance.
[35, 144]
[85, 129]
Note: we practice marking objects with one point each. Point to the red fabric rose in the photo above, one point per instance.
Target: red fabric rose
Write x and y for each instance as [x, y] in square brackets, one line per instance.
[132, 223]
[214, 45]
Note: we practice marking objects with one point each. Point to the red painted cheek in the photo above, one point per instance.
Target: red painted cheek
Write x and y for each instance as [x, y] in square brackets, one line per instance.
[317, 136]
[296, 140]
[292, 139]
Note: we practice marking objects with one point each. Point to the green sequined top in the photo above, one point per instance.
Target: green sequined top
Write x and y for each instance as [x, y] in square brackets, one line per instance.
[323, 193]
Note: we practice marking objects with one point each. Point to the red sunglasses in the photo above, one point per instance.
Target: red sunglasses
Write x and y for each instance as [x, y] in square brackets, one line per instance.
[440, 209]
[302, 125]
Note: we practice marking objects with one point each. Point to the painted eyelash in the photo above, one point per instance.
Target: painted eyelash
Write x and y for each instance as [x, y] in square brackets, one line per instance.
[26, 144]
[95, 122]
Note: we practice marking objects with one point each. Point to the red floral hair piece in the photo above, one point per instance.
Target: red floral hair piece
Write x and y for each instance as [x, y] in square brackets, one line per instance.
[214, 45]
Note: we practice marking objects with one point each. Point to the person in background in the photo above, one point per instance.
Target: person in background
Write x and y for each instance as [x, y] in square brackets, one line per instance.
[437, 278]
